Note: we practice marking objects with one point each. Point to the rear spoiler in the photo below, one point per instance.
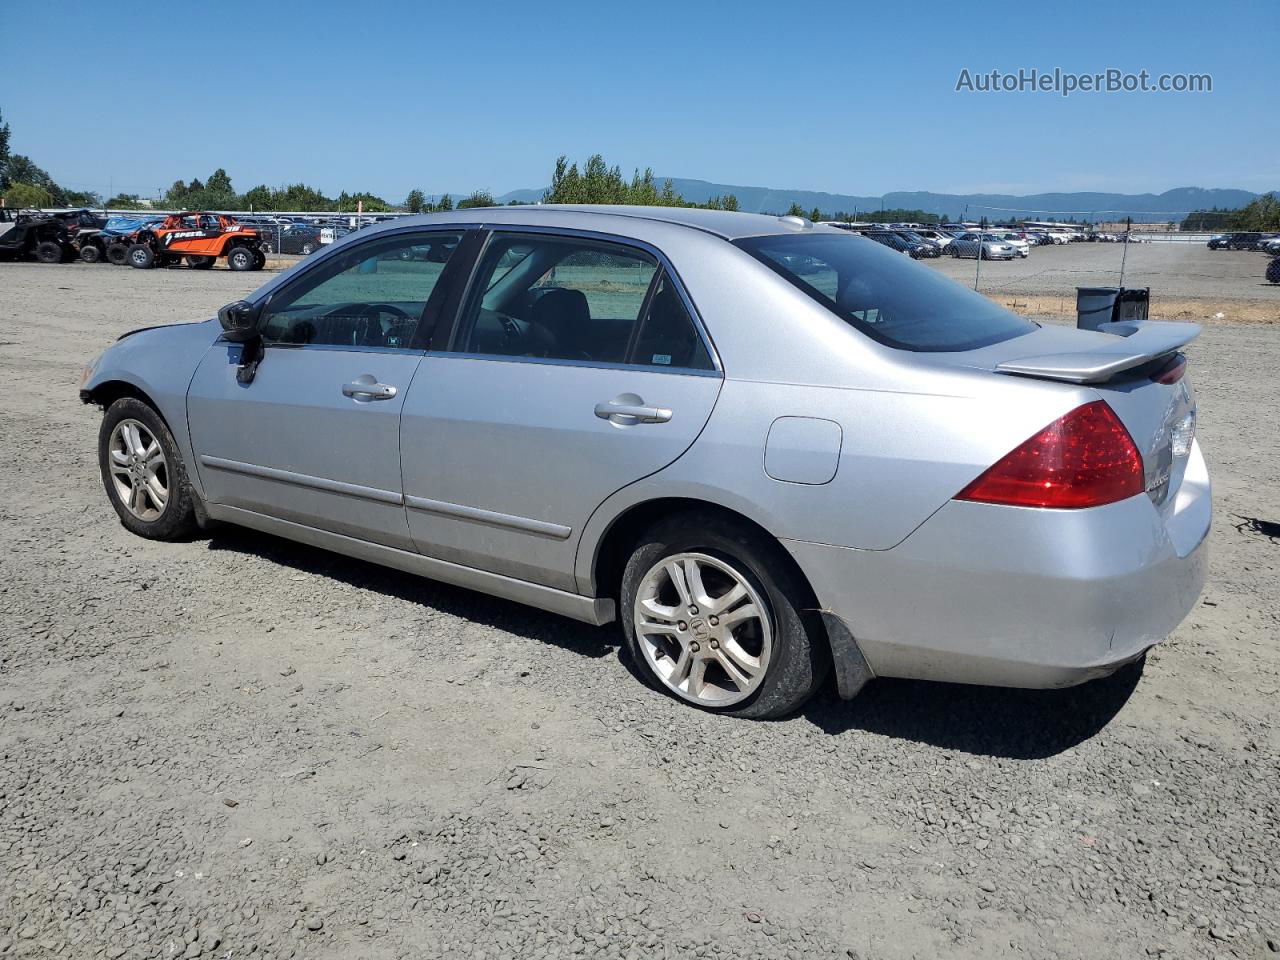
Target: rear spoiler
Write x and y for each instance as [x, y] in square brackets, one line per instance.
[1135, 344]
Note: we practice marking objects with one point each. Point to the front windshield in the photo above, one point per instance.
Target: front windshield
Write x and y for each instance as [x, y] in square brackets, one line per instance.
[890, 298]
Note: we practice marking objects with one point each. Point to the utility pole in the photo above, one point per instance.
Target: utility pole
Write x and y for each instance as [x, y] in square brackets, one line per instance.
[977, 274]
[1128, 227]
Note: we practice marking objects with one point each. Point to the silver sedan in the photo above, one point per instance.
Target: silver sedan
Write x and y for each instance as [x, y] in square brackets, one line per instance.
[769, 449]
[992, 247]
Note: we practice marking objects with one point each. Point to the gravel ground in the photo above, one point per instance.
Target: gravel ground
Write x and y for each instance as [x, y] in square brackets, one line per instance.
[238, 746]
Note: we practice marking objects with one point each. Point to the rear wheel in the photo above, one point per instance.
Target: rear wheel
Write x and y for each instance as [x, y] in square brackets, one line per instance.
[308, 249]
[90, 253]
[200, 263]
[240, 258]
[143, 472]
[259, 259]
[118, 253]
[1273, 271]
[141, 256]
[715, 615]
[48, 251]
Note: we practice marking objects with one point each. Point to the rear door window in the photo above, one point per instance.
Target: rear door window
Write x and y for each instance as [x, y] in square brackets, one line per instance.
[885, 295]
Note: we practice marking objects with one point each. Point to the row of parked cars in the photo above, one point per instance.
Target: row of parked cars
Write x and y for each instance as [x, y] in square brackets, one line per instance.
[1247, 240]
[200, 239]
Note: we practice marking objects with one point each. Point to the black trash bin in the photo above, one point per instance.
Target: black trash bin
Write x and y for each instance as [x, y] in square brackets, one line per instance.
[1098, 305]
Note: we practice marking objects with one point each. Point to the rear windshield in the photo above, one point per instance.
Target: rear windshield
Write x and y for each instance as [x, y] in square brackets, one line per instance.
[884, 294]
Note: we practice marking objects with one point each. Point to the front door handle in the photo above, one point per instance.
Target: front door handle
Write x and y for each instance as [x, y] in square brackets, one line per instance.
[628, 409]
[366, 387]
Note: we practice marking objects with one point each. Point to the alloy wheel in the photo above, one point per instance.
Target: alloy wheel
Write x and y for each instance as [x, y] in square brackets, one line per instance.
[704, 630]
[139, 471]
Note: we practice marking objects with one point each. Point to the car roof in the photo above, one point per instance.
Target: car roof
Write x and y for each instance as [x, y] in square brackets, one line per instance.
[726, 224]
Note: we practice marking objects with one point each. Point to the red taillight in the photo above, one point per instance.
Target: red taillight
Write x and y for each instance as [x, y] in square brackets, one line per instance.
[1084, 459]
[1172, 371]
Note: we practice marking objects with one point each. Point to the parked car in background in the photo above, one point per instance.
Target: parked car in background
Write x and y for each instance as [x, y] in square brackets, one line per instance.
[198, 237]
[1017, 241]
[924, 248]
[935, 236]
[1271, 245]
[1218, 241]
[986, 245]
[299, 239]
[915, 249]
[765, 448]
[34, 234]
[1242, 240]
[1273, 271]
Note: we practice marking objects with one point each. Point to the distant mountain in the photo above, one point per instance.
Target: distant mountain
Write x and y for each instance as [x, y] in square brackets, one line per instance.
[1143, 207]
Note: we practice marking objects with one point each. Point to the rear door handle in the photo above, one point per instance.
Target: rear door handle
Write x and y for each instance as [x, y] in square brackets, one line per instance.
[628, 413]
[366, 387]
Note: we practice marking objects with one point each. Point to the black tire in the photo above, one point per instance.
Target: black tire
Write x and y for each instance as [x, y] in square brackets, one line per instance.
[141, 256]
[1273, 271]
[49, 251]
[240, 259]
[178, 518]
[200, 263]
[259, 259]
[308, 249]
[90, 253]
[801, 654]
[118, 253]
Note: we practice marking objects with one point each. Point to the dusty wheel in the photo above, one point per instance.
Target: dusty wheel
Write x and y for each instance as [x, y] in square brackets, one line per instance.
[90, 253]
[141, 256]
[240, 258]
[1273, 271]
[714, 615]
[143, 472]
[200, 263]
[49, 251]
[117, 253]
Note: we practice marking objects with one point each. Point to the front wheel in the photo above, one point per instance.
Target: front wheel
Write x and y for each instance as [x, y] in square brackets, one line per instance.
[308, 249]
[1273, 271]
[90, 253]
[240, 259]
[47, 251]
[141, 256]
[715, 615]
[143, 472]
[118, 253]
[259, 259]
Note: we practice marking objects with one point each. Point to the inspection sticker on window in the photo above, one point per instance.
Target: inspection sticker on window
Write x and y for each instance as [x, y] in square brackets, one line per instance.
[662, 358]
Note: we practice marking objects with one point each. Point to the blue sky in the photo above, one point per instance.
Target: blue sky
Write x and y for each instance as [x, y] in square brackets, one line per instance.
[845, 97]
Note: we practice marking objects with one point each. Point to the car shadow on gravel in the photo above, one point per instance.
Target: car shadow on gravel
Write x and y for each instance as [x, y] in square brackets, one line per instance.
[479, 608]
[987, 721]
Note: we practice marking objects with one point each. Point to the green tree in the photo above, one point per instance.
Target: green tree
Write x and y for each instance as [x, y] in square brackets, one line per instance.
[1260, 213]
[27, 195]
[445, 203]
[258, 198]
[481, 198]
[4, 154]
[415, 202]
[795, 210]
[125, 201]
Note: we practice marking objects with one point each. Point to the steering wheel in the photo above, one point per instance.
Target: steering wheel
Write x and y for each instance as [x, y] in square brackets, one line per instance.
[364, 331]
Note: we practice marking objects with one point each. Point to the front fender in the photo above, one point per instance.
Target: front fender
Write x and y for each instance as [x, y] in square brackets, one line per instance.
[158, 362]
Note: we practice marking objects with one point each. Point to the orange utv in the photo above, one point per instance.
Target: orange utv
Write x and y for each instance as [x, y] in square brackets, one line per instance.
[201, 238]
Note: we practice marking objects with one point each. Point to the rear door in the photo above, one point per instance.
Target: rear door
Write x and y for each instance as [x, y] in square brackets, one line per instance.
[315, 437]
[577, 368]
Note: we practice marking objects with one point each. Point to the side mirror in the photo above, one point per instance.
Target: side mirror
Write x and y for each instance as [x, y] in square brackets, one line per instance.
[239, 321]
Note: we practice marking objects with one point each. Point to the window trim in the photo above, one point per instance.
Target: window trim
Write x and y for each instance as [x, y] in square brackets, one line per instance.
[448, 282]
[452, 346]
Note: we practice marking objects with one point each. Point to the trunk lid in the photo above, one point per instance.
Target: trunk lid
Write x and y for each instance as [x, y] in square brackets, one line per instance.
[1118, 361]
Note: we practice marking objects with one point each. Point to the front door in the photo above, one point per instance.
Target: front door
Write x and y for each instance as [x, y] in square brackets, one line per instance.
[577, 369]
[315, 437]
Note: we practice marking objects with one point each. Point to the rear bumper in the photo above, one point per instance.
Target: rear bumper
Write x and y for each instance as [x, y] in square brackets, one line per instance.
[1017, 597]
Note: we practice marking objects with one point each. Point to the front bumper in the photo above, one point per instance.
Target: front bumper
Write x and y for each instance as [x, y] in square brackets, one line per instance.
[1017, 597]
